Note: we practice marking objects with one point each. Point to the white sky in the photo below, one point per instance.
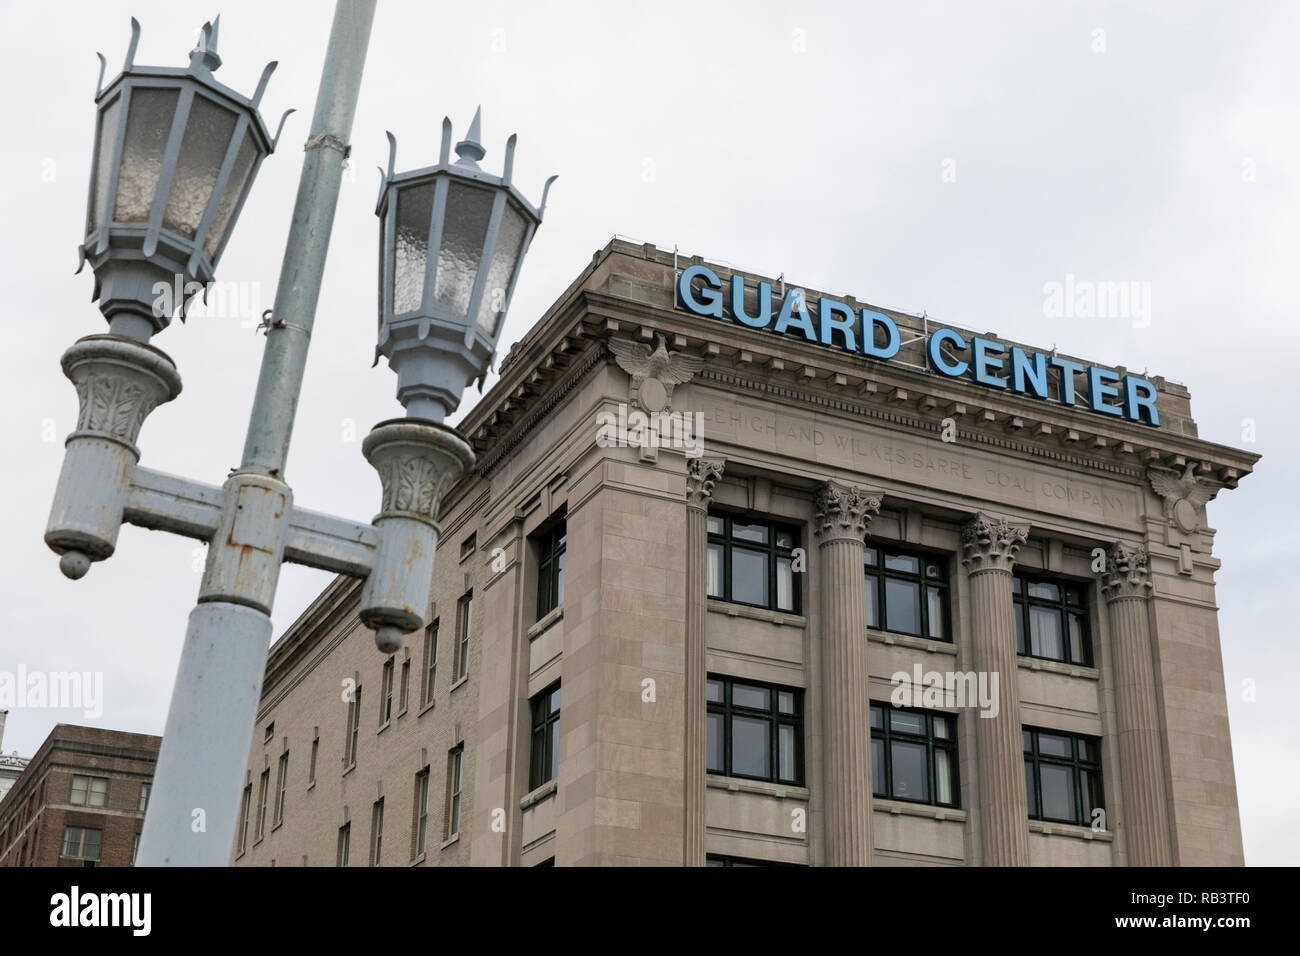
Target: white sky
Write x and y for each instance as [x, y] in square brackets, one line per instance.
[803, 138]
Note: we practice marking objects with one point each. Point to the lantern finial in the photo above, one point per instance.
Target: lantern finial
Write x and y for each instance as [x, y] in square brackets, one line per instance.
[469, 150]
[204, 56]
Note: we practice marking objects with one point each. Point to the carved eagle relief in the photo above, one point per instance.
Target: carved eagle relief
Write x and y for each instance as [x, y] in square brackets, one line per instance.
[654, 373]
[1183, 495]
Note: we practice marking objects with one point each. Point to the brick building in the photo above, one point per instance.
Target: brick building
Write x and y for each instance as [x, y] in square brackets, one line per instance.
[641, 654]
[80, 801]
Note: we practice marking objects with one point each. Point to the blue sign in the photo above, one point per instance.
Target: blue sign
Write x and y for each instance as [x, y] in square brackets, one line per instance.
[982, 360]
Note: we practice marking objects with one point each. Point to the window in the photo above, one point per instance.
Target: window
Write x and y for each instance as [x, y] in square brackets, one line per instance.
[420, 828]
[145, 788]
[268, 733]
[282, 780]
[353, 729]
[89, 791]
[1062, 776]
[262, 789]
[464, 617]
[550, 570]
[81, 843]
[430, 663]
[386, 694]
[315, 749]
[468, 545]
[755, 731]
[1051, 620]
[914, 756]
[405, 690]
[377, 832]
[455, 768]
[244, 810]
[750, 562]
[546, 737]
[714, 859]
[135, 849]
[345, 842]
[906, 592]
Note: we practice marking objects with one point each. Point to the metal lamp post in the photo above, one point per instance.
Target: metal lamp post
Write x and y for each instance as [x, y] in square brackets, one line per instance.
[176, 153]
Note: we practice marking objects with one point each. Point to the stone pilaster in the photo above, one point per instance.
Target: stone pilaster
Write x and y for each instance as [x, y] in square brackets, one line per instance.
[843, 513]
[989, 548]
[701, 475]
[1126, 583]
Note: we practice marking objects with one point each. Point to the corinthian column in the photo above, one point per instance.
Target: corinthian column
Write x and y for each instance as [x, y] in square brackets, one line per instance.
[989, 548]
[701, 474]
[1126, 583]
[843, 513]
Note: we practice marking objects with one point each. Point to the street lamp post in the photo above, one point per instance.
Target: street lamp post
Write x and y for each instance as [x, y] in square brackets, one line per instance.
[176, 154]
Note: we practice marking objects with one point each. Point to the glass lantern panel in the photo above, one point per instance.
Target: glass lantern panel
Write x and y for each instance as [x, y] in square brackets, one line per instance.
[414, 212]
[505, 259]
[463, 230]
[104, 162]
[229, 201]
[208, 129]
[148, 123]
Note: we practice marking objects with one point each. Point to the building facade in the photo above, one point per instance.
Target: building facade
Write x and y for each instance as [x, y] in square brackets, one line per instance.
[80, 801]
[11, 765]
[742, 580]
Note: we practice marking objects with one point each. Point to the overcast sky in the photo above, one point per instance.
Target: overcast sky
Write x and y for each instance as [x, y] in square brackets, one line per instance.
[947, 157]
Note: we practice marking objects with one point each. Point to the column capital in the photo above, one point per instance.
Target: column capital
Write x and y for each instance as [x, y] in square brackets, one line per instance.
[991, 544]
[844, 511]
[701, 475]
[1127, 573]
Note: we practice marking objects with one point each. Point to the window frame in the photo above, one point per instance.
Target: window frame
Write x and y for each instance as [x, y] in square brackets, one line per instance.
[245, 813]
[430, 675]
[282, 783]
[420, 825]
[376, 831]
[80, 853]
[728, 709]
[1035, 759]
[89, 791]
[354, 729]
[464, 624]
[263, 788]
[729, 544]
[551, 547]
[146, 791]
[404, 687]
[887, 735]
[455, 791]
[386, 691]
[543, 763]
[344, 845]
[1022, 603]
[879, 574]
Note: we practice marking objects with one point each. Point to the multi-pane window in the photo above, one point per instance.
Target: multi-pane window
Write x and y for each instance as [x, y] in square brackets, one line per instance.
[464, 619]
[386, 694]
[377, 832]
[262, 788]
[353, 729]
[268, 733]
[755, 730]
[420, 827]
[455, 769]
[405, 689]
[906, 592]
[245, 809]
[81, 843]
[751, 562]
[1063, 776]
[550, 570]
[1051, 620]
[345, 844]
[546, 737]
[145, 788]
[914, 755]
[89, 791]
[430, 663]
[281, 782]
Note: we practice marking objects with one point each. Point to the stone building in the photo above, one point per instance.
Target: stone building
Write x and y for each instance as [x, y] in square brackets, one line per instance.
[904, 597]
[80, 801]
[11, 765]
